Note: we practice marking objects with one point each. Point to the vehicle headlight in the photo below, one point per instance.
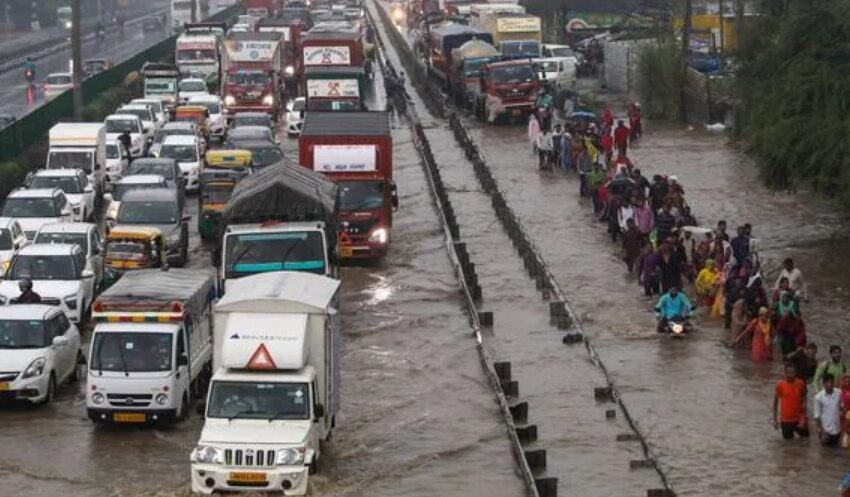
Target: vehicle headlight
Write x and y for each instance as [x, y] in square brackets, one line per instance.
[161, 399]
[75, 208]
[289, 70]
[229, 100]
[35, 368]
[68, 24]
[97, 398]
[290, 457]
[379, 235]
[206, 454]
[268, 100]
[174, 239]
[71, 301]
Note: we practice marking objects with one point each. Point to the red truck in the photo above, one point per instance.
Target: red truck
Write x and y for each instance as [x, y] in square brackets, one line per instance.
[333, 44]
[508, 89]
[355, 150]
[259, 8]
[291, 31]
[252, 66]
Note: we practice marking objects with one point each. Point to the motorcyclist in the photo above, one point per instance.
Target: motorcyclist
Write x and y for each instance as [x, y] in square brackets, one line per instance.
[29, 70]
[543, 104]
[27, 296]
[126, 140]
[673, 305]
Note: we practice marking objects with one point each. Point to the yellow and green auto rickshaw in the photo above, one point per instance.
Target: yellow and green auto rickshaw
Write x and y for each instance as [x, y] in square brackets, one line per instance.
[223, 170]
[131, 248]
[197, 114]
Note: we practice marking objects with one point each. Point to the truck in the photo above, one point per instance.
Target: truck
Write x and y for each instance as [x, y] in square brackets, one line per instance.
[160, 82]
[465, 75]
[260, 9]
[332, 88]
[274, 397]
[252, 65]
[197, 56]
[476, 9]
[355, 151]
[291, 31]
[517, 36]
[508, 89]
[443, 38]
[281, 218]
[151, 348]
[76, 145]
[337, 44]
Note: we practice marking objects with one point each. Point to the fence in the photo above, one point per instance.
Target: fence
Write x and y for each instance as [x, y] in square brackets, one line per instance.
[620, 65]
[707, 98]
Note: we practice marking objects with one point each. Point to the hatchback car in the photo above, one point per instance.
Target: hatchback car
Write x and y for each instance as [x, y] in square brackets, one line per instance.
[57, 83]
[167, 168]
[250, 119]
[263, 153]
[116, 124]
[215, 119]
[35, 207]
[128, 184]
[186, 150]
[74, 183]
[39, 350]
[177, 128]
[158, 208]
[250, 133]
[117, 160]
[190, 87]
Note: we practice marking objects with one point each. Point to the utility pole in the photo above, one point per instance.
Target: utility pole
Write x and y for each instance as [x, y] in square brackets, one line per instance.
[77, 58]
[740, 12]
[722, 30]
[686, 45]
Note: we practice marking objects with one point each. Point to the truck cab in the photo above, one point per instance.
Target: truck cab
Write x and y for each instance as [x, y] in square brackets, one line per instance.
[80, 146]
[508, 89]
[252, 73]
[160, 82]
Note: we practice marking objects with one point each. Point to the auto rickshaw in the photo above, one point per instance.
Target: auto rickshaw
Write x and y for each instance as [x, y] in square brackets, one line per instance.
[197, 114]
[131, 248]
[223, 170]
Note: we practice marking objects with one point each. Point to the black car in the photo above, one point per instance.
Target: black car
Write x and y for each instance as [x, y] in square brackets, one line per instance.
[263, 153]
[153, 23]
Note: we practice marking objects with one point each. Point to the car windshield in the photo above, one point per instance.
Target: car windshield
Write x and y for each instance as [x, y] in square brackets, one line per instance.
[147, 212]
[119, 125]
[249, 121]
[256, 400]
[70, 160]
[161, 134]
[213, 107]
[68, 184]
[143, 114]
[155, 107]
[131, 352]
[299, 104]
[192, 55]
[95, 66]
[22, 334]
[360, 195]
[81, 239]
[126, 250]
[180, 153]
[59, 79]
[165, 170]
[249, 78]
[43, 267]
[263, 157]
[121, 189]
[5, 239]
[159, 86]
[509, 74]
[112, 152]
[30, 207]
[250, 253]
[249, 133]
[192, 86]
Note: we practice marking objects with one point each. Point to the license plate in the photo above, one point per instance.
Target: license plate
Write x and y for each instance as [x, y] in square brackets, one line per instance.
[247, 477]
[346, 251]
[128, 417]
[516, 112]
[4, 386]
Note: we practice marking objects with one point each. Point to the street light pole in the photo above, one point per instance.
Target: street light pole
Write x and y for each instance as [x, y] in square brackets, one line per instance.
[686, 45]
[77, 58]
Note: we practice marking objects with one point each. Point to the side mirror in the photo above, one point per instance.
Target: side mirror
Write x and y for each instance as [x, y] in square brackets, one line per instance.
[107, 197]
[182, 360]
[215, 257]
[28, 180]
[60, 341]
[186, 219]
[318, 411]
[394, 195]
[201, 409]
[86, 274]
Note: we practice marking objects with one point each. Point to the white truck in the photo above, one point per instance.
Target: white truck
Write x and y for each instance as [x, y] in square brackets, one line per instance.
[198, 56]
[151, 349]
[80, 146]
[275, 393]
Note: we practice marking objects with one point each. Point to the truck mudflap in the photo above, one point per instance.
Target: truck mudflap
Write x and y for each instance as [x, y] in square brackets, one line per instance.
[208, 478]
[132, 416]
[363, 250]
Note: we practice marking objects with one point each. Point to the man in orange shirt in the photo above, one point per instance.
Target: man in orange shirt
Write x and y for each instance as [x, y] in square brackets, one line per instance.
[789, 402]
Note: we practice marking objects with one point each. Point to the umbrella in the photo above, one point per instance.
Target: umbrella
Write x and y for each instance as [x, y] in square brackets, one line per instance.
[621, 186]
[582, 115]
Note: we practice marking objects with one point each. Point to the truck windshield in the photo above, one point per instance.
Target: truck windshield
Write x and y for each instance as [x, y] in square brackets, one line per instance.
[254, 400]
[193, 86]
[360, 195]
[160, 86]
[512, 74]
[249, 78]
[193, 55]
[22, 334]
[473, 67]
[68, 184]
[521, 48]
[131, 352]
[251, 253]
[57, 159]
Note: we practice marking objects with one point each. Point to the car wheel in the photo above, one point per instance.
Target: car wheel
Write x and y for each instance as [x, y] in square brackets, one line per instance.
[183, 410]
[313, 467]
[51, 390]
[79, 361]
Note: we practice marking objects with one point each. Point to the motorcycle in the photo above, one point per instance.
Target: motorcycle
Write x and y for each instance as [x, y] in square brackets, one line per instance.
[29, 74]
[678, 326]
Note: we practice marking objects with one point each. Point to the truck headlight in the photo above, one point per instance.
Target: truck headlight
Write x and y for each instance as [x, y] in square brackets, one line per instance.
[68, 24]
[97, 398]
[206, 454]
[71, 302]
[229, 100]
[290, 457]
[35, 368]
[379, 235]
[161, 399]
[268, 100]
[289, 70]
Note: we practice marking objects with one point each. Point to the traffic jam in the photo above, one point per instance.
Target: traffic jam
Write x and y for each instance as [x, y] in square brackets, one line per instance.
[101, 284]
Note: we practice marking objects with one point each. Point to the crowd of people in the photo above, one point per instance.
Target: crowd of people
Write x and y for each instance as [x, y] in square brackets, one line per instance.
[671, 255]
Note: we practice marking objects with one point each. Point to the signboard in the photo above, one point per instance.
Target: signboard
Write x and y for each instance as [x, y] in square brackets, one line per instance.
[251, 51]
[518, 25]
[195, 45]
[286, 31]
[345, 158]
[327, 56]
[333, 88]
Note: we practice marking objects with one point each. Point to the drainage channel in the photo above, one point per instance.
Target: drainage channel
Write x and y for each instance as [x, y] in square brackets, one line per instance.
[586, 445]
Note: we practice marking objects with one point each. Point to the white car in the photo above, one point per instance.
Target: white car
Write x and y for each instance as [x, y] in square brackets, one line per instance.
[155, 105]
[146, 115]
[126, 184]
[58, 274]
[12, 239]
[74, 183]
[186, 150]
[184, 128]
[295, 109]
[86, 235]
[191, 87]
[216, 122]
[57, 83]
[39, 350]
[35, 207]
[116, 124]
[117, 162]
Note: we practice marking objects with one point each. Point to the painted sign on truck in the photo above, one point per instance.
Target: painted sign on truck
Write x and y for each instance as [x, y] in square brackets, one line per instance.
[333, 88]
[251, 51]
[327, 56]
[344, 158]
[518, 24]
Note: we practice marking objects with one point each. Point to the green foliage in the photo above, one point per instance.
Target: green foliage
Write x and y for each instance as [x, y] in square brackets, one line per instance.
[795, 99]
[660, 78]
